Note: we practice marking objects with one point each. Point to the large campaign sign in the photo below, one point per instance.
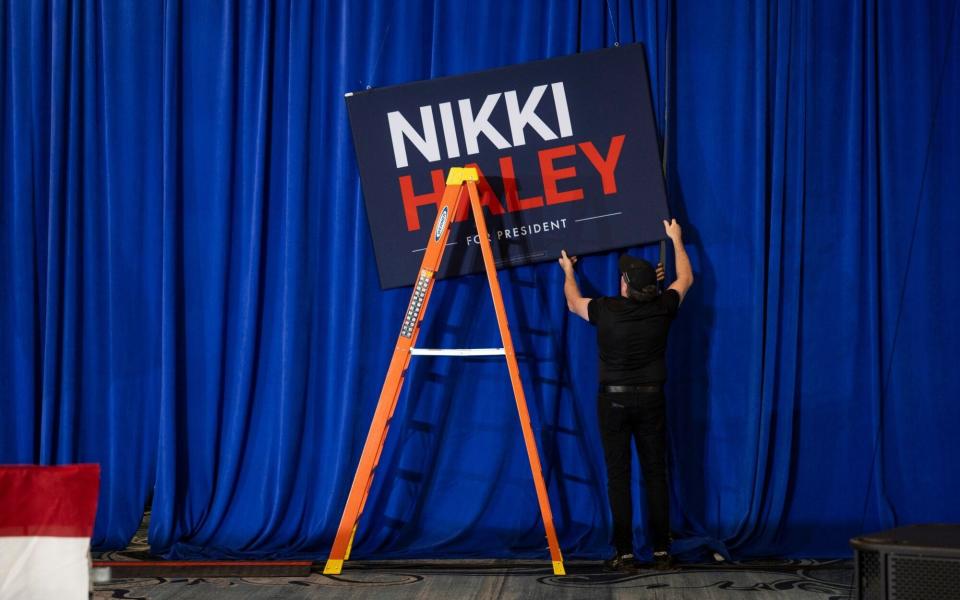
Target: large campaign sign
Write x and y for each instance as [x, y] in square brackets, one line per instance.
[566, 149]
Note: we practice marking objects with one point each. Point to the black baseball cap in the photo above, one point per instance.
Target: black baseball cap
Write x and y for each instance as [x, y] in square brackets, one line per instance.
[637, 272]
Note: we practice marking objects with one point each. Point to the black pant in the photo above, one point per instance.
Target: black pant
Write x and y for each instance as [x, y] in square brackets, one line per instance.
[641, 416]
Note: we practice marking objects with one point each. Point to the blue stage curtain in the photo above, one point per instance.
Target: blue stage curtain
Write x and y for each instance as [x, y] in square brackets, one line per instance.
[80, 245]
[190, 296]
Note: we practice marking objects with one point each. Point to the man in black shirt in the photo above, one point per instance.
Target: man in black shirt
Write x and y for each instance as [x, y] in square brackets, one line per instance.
[632, 338]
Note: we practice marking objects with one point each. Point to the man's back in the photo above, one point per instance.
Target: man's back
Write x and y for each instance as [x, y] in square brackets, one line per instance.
[632, 337]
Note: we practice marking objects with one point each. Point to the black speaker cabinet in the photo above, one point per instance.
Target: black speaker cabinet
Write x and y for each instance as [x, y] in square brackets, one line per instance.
[917, 562]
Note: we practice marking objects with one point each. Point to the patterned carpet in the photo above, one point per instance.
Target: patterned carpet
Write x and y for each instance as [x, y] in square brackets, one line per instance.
[787, 580]
[529, 580]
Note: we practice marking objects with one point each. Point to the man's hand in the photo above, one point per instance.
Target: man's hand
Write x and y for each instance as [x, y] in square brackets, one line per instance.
[660, 274]
[566, 262]
[673, 230]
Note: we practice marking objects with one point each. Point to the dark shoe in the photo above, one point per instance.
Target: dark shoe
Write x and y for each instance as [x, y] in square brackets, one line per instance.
[662, 561]
[620, 562]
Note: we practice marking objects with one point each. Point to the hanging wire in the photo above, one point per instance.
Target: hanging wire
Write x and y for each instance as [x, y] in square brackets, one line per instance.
[613, 25]
[666, 121]
[383, 43]
[668, 51]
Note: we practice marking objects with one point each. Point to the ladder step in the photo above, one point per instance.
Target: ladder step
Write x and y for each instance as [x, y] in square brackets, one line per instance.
[457, 351]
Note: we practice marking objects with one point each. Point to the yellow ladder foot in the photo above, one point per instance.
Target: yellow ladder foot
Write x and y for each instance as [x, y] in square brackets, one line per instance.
[334, 566]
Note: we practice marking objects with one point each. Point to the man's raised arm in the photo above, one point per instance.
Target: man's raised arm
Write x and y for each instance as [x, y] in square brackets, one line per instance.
[575, 301]
[682, 265]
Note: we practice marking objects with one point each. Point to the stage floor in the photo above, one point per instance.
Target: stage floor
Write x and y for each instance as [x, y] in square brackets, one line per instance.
[427, 580]
[482, 579]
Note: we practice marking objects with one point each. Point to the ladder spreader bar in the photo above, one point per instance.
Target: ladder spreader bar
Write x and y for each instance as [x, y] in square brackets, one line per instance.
[457, 351]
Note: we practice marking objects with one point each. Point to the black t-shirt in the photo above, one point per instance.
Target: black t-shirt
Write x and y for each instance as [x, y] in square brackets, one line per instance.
[632, 337]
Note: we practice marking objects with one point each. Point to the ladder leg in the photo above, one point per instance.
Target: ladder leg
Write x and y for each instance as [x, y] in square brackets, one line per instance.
[369, 458]
[393, 383]
[528, 438]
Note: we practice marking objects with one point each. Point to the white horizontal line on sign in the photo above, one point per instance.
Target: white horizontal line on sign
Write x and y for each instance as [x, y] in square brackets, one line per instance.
[598, 217]
[457, 351]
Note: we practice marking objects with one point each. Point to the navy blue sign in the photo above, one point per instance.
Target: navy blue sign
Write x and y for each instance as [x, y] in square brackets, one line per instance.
[566, 149]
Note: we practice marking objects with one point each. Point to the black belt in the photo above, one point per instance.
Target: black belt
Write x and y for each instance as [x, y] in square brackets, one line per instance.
[630, 389]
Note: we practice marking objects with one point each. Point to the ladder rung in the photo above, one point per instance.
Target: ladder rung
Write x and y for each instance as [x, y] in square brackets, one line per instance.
[457, 351]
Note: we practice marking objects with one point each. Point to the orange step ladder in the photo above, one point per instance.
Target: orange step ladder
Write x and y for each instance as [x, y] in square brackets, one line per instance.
[459, 181]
